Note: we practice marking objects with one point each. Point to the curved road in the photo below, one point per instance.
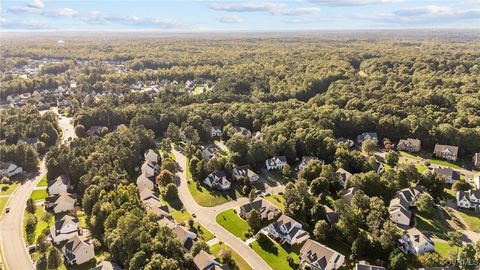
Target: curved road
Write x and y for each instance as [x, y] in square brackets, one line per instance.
[206, 217]
[12, 244]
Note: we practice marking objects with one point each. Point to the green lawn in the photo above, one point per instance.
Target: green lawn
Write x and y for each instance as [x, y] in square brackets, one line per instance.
[430, 223]
[202, 232]
[445, 163]
[233, 223]
[82, 218]
[409, 155]
[179, 213]
[3, 203]
[43, 182]
[40, 227]
[210, 198]
[39, 194]
[472, 219]
[277, 200]
[6, 189]
[240, 263]
[274, 254]
[442, 247]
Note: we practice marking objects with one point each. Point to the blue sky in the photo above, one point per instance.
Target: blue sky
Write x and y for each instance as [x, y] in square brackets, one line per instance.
[236, 15]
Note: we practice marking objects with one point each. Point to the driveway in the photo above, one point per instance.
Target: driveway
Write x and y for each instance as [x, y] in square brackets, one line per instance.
[206, 217]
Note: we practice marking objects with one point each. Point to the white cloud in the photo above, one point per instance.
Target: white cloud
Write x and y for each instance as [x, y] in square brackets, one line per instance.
[352, 2]
[96, 17]
[36, 4]
[29, 24]
[230, 19]
[270, 7]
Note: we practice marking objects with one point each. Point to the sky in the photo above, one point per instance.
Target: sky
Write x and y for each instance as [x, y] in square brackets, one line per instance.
[161, 15]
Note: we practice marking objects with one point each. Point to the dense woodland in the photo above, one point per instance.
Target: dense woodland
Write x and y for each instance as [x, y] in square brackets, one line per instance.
[300, 93]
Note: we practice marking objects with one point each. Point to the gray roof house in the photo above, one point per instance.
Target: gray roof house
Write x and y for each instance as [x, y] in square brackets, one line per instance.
[217, 180]
[448, 152]
[245, 171]
[287, 230]
[367, 136]
[276, 163]
[314, 255]
[409, 145]
[264, 207]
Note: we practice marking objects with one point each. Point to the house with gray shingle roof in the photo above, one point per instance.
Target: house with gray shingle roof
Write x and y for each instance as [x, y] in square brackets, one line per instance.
[64, 229]
[448, 152]
[314, 255]
[276, 163]
[78, 250]
[287, 230]
[469, 199]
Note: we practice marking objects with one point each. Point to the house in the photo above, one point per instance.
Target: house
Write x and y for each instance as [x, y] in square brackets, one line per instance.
[217, 131]
[314, 255]
[60, 185]
[209, 152]
[331, 216]
[144, 182]
[165, 222]
[476, 180]
[287, 230]
[276, 163]
[346, 142]
[151, 158]
[247, 172]
[206, 261]
[306, 160]
[186, 237]
[379, 167]
[148, 170]
[106, 265]
[347, 194]
[64, 229]
[469, 199]
[78, 250]
[447, 152]
[343, 176]
[399, 211]
[152, 204]
[217, 180]
[409, 145]
[367, 136]
[411, 194]
[476, 159]
[243, 131]
[63, 202]
[95, 130]
[267, 210]
[446, 173]
[9, 169]
[415, 242]
[363, 265]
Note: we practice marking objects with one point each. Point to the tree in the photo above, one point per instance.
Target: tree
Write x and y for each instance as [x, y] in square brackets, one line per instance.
[369, 146]
[321, 230]
[254, 220]
[31, 206]
[461, 185]
[225, 256]
[466, 258]
[431, 259]
[425, 204]
[198, 246]
[164, 178]
[397, 260]
[80, 131]
[169, 165]
[171, 192]
[392, 158]
[319, 186]
[54, 259]
[42, 244]
[252, 195]
[361, 245]
[286, 170]
[455, 239]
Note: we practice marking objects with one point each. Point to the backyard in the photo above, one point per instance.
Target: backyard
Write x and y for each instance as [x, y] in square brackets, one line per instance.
[233, 223]
[277, 200]
[471, 219]
[240, 263]
[432, 224]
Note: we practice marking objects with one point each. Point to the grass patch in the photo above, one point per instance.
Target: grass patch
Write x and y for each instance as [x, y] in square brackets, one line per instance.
[409, 155]
[179, 213]
[202, 232]
[205, 197]
[274, 254]
[442, 162]
[277, 200]
[40, 227]
[7, 189]
[240, 263]
[39, 195]
[273, 178]
[3, 203]
[82, 218]
[233, 223]
[472, 219]
[43, 182]
[432, 224]
[442, 247]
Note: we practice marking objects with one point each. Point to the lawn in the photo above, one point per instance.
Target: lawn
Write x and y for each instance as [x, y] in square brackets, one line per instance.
[274, 255]
[40, 227]
[43, 182]
[445, 163]
[6, 189]
[408, 155]
[3, 203]
[472, 219]
[39, 195]
[430, 223]
[277, 200]
[233, 223]
[202, 232]
[179, 213]
[274, 178]
[205, 197]
[82, 218]
[442, 247]
[240, 263]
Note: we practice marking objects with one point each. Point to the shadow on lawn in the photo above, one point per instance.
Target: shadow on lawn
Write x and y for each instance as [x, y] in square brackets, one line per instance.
[266, 244]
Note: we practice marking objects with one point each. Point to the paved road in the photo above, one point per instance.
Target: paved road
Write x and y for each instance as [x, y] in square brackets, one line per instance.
[11, 225]
[206, 217]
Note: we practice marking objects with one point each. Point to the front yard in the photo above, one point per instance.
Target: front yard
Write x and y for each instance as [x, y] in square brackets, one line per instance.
[43, 182]
[8, 189]
[41, 226]
[432, 224]
[277, 200]
[471, 219]
[3, 203]
[240, 263]
[442, 247]
[39, 195]
[233, 223]
[209, 198]
[274, 254]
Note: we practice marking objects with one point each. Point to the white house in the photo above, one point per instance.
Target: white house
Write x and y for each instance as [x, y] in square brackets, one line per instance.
[469, 199]
[245, 171]
[9, 169]
[287, 230]
[63, 202]
[209, 152]
[448, 152]
[217, 180]
[415, 242]
[60, 185]
[78, 250]
[314, 255]
[64, 229]
[276, 163]
[367, 136]
[306, 160]
[343, 176]
[216, 131]
[446, 173]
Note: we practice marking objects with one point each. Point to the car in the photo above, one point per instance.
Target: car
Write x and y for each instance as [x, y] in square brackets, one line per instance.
[31, 248]
[194, 215]
[7, 210]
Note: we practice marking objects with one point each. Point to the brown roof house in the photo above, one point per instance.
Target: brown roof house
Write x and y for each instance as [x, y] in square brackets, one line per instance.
[64, 229]
[415, 242]
[63, 202]
[264, 207]
[206, 261]
[186, 237]
[447, 173]
[152, 204]
[447, 152]
[78, 250]
[409, 145]
[314, 255]
[400, 205]
[60, 185]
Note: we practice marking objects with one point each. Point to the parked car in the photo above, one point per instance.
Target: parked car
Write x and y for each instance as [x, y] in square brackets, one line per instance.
[7, 209]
